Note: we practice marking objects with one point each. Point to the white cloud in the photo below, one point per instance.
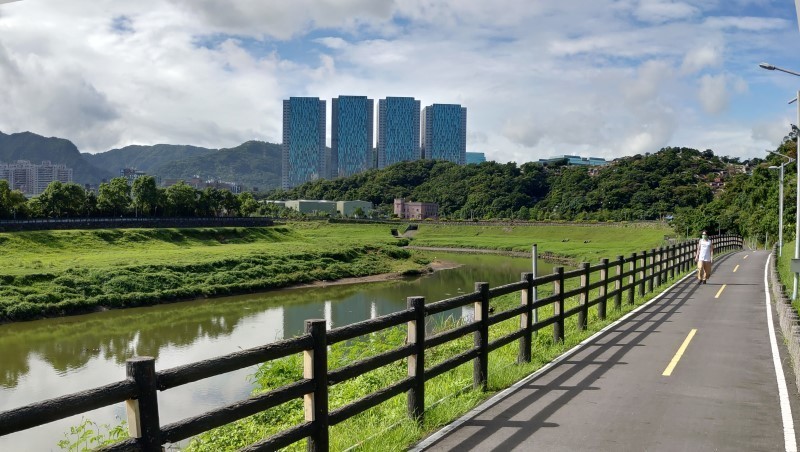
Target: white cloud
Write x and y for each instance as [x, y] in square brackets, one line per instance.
[601, 77]
[748, 23]
[659, 11]
[713, 93]
[699, 58]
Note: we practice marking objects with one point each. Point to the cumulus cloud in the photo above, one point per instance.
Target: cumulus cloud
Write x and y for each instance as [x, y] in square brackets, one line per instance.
[713, 93]
[601, 77]
[699, 58]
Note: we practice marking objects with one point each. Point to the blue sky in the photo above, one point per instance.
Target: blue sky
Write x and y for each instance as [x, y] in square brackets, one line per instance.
[540, 78]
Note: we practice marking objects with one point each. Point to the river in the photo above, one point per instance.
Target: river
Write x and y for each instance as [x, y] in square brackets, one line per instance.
[52, 357]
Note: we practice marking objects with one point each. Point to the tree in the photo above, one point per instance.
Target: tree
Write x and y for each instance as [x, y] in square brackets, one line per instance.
[62, 200]
[12, 202]
[145, 195]
[181, 199]
[247, 204]
[114, 197]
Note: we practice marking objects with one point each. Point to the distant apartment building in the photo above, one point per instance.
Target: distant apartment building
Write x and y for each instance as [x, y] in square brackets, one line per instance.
[398, 130]
[475, 157]
[444, 133]
[577, 160]
[352, 124]
[32, 179]
[131, 174]
[415, 210]
[303, 156]
[199, 183]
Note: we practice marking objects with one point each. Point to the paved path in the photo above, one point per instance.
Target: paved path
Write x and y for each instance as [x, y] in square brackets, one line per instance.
[612, 394]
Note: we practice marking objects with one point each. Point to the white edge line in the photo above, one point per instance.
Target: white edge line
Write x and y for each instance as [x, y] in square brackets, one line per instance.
[783, 394]
[429, 441]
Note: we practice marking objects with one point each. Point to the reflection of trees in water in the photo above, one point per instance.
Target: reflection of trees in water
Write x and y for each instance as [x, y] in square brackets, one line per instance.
[70, 343]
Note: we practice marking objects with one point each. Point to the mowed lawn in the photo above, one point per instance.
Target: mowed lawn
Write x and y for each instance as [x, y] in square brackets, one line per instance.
[588, 243]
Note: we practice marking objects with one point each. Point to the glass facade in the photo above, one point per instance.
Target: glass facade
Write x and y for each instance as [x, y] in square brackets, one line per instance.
[352, 123]
[444, 133]
[303, 141]
[475, 157]
[398, 130]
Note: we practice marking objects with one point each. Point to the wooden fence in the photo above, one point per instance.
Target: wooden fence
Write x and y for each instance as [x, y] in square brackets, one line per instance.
[637, 273]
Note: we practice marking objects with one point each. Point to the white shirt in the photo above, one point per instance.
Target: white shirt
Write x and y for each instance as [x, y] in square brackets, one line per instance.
[704, 250]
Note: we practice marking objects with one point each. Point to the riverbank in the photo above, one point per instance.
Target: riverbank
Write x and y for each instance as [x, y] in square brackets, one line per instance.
[433, 266]
[57, 273]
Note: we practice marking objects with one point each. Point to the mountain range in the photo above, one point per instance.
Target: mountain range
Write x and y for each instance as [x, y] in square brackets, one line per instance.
[251, 164]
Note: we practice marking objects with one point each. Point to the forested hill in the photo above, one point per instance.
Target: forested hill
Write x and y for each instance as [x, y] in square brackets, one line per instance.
[638, 187]
[143, 158]
[36, 148]
[252, 164]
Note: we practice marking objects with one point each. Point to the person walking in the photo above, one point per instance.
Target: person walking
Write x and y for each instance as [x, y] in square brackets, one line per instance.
[704, 255]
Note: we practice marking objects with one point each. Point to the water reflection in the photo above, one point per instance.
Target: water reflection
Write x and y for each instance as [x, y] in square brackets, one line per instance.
[52, 357]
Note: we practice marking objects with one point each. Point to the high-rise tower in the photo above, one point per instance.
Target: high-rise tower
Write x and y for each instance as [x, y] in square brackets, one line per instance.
[303, 141]
[352, 123]
[444, 133]
[398, 130]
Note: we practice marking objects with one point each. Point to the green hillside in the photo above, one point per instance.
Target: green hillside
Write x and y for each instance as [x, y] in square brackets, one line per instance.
[252, 164]
[144, 158]
[36, 148]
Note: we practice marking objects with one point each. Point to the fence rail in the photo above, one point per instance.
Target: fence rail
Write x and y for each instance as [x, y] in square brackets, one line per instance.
[644, 271]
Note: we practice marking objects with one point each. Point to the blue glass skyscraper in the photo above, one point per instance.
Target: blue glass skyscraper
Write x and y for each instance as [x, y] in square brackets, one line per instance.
[444, 133]
[398, 130]
[352, 123]
[303, 141]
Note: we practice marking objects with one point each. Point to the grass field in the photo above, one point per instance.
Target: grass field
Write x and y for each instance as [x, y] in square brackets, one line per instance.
[61, 272]
[51, 273]
[580, 243]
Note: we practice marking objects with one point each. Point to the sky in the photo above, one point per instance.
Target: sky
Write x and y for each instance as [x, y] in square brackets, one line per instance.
[539, 78]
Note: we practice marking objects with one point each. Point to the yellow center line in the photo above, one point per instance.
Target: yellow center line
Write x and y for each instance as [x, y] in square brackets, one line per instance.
[735, 268]
[677, 357]
[745, 256]
[719, 292]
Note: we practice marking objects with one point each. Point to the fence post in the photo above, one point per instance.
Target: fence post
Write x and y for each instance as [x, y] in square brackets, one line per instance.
[618, 283]
[660, 268]
[558, 306]
[480, 365]
[601, 307]
[315, 367]
[653, 270]
[671, 254]
[142, 412]
[525, 324]
[632, 278]
[583, 314]
[416, 362]
[643, 273]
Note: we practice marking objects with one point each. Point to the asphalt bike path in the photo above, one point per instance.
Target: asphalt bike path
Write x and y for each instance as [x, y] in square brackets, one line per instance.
[694, 370]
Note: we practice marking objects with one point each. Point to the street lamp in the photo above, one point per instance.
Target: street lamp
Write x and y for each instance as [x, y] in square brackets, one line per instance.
[780, 200]
[770, 67]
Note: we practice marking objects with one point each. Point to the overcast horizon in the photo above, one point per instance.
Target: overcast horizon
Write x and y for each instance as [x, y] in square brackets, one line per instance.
[600, 78]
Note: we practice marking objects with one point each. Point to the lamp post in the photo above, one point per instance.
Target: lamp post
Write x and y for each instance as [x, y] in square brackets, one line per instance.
[780, 200]
[770, 67]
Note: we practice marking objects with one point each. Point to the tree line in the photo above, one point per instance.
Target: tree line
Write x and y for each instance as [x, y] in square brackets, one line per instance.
[117, 198]
[693, 189]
